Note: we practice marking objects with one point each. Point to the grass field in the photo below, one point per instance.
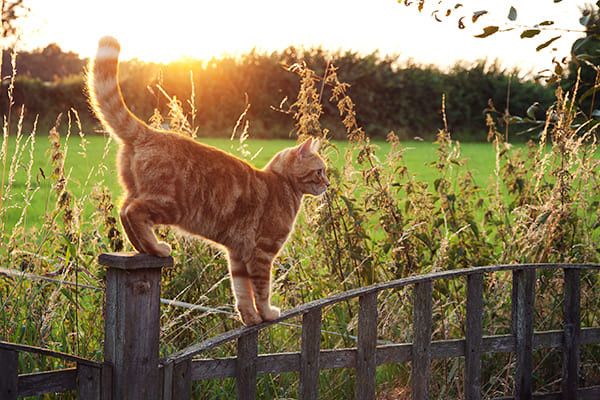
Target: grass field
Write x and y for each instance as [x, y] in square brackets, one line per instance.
[90, 160]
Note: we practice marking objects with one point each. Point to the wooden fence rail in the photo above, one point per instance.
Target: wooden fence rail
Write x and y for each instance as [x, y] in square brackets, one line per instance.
[90, 379]
[367, 355]
[132, 369]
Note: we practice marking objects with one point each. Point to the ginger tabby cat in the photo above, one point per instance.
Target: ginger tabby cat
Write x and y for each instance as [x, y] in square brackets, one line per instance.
[170, 179]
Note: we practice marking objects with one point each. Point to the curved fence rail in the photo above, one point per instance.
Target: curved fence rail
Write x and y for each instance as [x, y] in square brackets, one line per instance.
[182, 367]
[132, 369]
[89, 378]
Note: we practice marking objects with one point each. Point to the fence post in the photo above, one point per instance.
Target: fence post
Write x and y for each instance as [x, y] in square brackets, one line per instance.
[89, 382]
[9, 378]
[245, 369]
[366, 353]
[572, 337]
[473, 336]
[132, 323]
[523, 297]
[310, 353]
[421, 348]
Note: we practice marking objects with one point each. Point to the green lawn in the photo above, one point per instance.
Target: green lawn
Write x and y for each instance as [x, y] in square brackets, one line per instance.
[91, 160]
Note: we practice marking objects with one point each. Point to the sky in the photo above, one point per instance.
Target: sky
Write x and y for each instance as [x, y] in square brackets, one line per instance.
[165, 30]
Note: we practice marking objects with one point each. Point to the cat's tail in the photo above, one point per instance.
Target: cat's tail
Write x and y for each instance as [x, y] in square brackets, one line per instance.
[105, 93]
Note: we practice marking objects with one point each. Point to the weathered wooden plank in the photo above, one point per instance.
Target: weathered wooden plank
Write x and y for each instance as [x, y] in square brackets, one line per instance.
[181, 386]
[107, 381]
[40, 383]
[387, 354]
[165, 372]
[572, 332]
[348, 295]
[245, 368]
[588, 393]
[366, 347]
[9, 381]
[523, 314]
[89, 382]
[394, 353]
[310, 354]
[421, 350]
[133, 260]
[342, 358]
[46, 352]
[213, 368]
[473, 337]
[225, 367]
[590, 335]
[132, 327]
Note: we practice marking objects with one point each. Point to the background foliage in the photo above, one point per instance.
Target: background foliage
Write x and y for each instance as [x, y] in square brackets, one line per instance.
[405, 98]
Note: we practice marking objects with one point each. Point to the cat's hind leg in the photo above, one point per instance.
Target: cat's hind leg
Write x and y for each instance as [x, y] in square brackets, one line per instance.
[131, 234]
[242, 290]
[139, 217]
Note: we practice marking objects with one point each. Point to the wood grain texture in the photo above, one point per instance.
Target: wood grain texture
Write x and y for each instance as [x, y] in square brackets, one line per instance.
[133, 260]
[366, 355]
[217, 341]
[572, 332]
[523, 298]
[9, 363]
[132, 327]
[89, 382]
[310, 354]
[48, 382]
[473, 337]
[421, 350]
[245, 369]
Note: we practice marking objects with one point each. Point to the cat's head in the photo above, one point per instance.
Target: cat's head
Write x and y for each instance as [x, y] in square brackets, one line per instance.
[303, 166]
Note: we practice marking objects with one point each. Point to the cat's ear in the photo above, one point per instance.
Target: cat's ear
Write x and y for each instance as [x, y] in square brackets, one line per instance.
[306, 148]
[316, 144]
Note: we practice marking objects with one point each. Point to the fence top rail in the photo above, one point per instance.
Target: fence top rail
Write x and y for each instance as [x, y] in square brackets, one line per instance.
[235, 334]
[50, 353]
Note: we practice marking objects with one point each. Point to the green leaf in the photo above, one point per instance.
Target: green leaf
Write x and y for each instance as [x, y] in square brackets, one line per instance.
[531, 110]
[512, 14]
[546, 23]
[584, 20]
[478, 14]
[488, 31]
[529, 33]
[579, 43]
[588, 93]
[547, 43]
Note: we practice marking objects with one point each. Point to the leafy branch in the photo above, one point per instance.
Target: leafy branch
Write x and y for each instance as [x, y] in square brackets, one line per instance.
[441, 13]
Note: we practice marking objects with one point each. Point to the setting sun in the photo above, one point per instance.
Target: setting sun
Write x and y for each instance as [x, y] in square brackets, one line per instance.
[164, 31]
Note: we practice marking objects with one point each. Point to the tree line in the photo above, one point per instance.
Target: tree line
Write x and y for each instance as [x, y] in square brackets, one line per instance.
[403, 97]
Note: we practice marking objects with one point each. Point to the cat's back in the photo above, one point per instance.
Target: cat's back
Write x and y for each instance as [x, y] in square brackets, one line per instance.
[188, 160]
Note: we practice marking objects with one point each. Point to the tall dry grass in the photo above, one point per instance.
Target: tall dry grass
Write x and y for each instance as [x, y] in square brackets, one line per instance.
[378, 222]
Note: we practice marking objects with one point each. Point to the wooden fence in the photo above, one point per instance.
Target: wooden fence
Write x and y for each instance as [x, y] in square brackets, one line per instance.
[132, 369]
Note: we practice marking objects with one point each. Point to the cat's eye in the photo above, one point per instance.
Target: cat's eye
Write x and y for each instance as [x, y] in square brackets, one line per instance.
[319, 172]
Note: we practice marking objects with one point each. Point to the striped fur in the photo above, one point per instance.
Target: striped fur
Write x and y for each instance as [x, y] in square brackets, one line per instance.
[173, 180]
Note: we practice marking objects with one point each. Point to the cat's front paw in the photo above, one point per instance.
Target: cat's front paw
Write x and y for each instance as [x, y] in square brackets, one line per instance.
[249, 317]
[162, 249]
[270, 313]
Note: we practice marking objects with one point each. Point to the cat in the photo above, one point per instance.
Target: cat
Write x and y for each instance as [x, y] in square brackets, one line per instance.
[171, 179]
